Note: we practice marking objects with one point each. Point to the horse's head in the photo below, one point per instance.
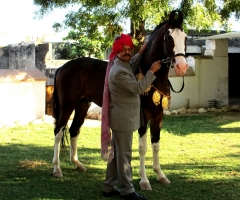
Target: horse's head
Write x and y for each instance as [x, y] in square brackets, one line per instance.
[168, 43]
[174, 45]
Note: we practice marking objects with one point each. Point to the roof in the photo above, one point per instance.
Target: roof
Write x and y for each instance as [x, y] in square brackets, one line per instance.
[221, 36]
[15, 75]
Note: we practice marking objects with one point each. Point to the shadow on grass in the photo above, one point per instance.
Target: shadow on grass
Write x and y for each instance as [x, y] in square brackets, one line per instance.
[26, 173]
[36, 182]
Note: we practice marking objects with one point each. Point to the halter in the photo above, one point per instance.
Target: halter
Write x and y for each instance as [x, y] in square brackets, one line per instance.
[169, 60]
[169, 63]
[159, 97]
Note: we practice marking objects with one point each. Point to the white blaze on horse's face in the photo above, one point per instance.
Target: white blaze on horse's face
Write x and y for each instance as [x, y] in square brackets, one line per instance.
[179, 38]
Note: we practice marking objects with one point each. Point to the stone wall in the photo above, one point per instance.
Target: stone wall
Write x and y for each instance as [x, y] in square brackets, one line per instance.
[45, 59]
[29, 56]
[4, 58]
[42, 55]
[50, 73]
[234, 42]
[18, 56]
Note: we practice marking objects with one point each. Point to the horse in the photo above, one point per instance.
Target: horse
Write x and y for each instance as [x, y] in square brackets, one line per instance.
[81, 81]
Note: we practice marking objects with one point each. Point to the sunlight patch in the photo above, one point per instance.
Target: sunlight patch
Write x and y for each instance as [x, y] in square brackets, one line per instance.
[31, 164]
[231, 125]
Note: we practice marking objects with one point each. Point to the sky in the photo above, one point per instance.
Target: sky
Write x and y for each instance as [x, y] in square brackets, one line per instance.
[18, 16]
[17, 20]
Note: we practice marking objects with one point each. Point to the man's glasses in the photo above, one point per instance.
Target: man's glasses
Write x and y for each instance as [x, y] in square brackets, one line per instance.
[126, 50]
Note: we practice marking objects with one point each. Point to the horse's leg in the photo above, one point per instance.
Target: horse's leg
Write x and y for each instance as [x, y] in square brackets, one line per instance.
[144, 182]
[80, 114]
[155, 128]
[60, 128]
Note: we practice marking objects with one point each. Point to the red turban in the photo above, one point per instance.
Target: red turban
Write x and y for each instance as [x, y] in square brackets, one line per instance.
[107, 147]
[118, 44]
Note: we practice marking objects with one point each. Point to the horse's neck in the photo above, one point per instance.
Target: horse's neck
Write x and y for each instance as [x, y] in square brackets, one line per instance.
[149, 57]
[161, 82]
[154, 51]
[144, 65]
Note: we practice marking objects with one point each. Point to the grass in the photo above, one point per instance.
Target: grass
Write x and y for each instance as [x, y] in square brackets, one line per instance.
[199, 154]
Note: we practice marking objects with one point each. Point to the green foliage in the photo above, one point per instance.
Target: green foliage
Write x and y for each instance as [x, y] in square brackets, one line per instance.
[199, 14]
[230, 5]
[56, 26]
[200, 17]
[82, 46]
[111, 15]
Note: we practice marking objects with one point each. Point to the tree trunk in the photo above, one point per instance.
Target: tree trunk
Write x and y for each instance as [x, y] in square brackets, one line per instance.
[138, 33]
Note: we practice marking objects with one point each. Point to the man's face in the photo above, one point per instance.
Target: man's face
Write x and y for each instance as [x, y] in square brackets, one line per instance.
[126, 53]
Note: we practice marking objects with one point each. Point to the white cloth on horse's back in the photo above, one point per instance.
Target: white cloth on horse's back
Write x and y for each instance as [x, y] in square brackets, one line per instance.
[107, 147]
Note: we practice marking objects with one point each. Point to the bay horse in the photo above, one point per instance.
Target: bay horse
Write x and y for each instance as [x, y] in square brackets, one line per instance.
[81, 81]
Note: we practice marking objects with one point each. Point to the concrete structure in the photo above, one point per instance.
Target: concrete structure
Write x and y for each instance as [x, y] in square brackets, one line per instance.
[209, 82]
[18, 56]
[211, 77]
[22, 95]
[208, 77]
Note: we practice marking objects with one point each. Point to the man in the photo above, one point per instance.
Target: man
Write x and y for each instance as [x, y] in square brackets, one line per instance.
[124, 114]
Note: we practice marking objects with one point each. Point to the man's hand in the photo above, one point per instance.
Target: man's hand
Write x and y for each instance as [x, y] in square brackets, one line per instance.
[155, 66]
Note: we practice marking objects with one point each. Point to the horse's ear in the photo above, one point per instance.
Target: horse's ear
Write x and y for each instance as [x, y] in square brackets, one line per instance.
[172, 16]
[180, 17]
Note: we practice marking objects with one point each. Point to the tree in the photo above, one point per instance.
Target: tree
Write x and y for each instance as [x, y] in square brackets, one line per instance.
[111, 15]
[82, 46]
[56, 26]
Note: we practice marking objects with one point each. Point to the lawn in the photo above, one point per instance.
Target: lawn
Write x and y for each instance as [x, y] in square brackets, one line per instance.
[199, 154]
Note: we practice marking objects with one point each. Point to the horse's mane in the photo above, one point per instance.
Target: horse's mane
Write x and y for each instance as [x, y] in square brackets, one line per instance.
[175, 21]
[156, 29]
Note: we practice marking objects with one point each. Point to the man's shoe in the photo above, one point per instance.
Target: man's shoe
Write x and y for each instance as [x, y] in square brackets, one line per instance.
[133, 196]
[111, 194]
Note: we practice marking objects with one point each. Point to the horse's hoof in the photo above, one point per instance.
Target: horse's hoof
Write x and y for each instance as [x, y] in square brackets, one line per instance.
[164, 180]
[81, 168]
[145, 186]
[58, 174]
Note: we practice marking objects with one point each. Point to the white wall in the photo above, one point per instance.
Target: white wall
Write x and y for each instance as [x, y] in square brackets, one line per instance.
[22, 100]
[207, 79]
[209, 82]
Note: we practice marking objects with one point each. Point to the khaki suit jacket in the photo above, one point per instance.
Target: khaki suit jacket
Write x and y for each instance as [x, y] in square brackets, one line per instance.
[125, 93]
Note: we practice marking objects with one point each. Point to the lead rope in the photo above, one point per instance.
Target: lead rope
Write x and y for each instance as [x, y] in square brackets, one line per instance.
[172, 87]
[169, 63]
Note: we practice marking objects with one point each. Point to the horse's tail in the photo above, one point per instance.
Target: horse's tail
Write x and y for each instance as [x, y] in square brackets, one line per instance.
[55, 101]
[56, 114]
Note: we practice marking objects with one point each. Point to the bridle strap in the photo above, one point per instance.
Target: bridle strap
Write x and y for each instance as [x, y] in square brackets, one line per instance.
[179, 54]
[168, 62]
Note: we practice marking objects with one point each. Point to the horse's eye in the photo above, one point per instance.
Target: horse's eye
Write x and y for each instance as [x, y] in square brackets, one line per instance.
[169, 37]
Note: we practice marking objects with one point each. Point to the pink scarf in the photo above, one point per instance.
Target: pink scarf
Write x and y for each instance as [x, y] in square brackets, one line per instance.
[107, 147]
